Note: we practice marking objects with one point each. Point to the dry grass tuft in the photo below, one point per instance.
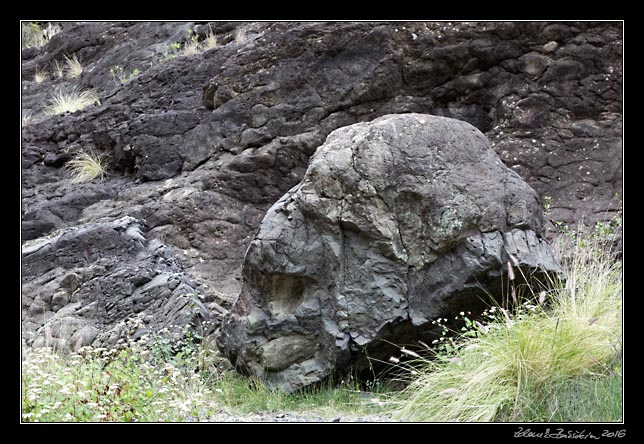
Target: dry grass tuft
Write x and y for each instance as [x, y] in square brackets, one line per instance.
[240, 35]
[87, 166]
[27, 119]
[58, 70]
[65, 100]
[191, 48]
[73, 68]
[537, 351]
[211, 40]
[40, 76]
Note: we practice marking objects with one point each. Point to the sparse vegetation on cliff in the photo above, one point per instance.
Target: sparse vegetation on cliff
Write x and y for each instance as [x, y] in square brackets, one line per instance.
[33, 35]
[64, 100]
[86, 166]
[120, 75]
[73, 67]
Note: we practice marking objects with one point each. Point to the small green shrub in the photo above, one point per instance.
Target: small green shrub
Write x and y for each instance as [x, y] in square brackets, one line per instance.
[172, 50]
[120, 76]
[191, 47]
[547, 205]
[245, 396]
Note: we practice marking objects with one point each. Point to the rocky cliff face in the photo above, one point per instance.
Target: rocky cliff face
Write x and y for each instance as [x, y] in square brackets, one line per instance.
[202, 144]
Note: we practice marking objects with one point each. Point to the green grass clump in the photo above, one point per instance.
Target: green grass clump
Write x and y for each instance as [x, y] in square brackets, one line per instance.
[580, 399]
[120, 76]
[86, 166]
[192, 46]
[65, 100]
[549, 361]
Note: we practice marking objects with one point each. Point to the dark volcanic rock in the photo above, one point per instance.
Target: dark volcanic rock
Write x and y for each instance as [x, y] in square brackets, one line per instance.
[200, 146]
[83, 283]
[396, 223]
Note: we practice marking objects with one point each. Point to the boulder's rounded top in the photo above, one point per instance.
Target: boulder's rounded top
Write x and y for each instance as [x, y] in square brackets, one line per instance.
[436, 171]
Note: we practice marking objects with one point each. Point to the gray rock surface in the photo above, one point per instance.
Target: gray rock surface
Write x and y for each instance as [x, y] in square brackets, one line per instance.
[201, 146]
[82, 284]
[397, 222]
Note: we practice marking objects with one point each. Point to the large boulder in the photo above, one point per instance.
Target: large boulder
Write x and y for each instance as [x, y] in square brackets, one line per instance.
[397, 222]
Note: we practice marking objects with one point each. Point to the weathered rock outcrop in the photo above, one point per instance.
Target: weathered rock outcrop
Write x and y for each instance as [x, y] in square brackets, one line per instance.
[396, 223]
[202, 145]
[84, 282]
